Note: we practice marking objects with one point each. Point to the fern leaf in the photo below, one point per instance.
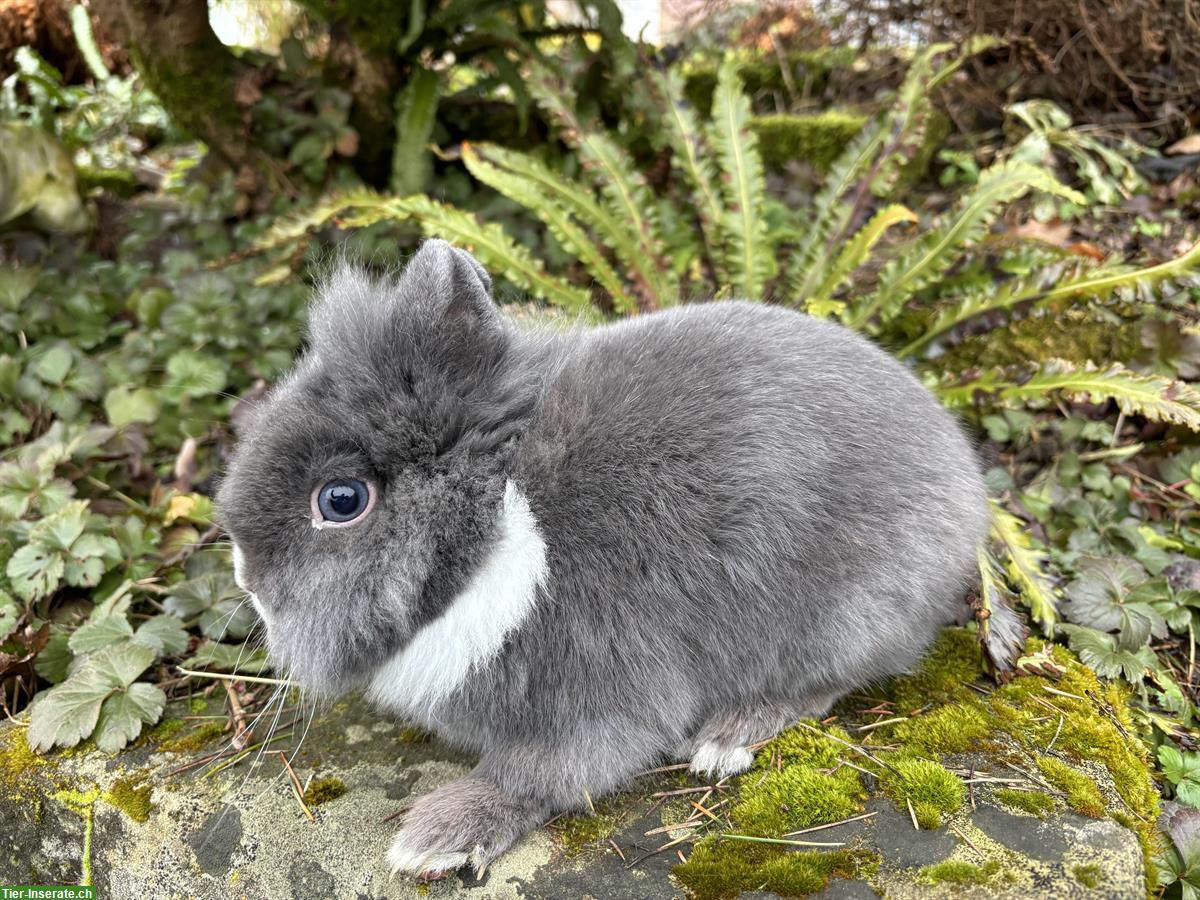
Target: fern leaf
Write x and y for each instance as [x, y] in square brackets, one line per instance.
[692, 160]
[1156, 397]
[412, 163]
[856, 251]
[937, 251]
[1025, 563]
[292, 229]
[1047, 286]
[829, 214]
[624, 189]
[529, 194]
[748, 254]
[496, 250]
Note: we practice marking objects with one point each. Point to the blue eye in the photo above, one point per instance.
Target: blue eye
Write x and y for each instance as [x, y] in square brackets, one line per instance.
[343, 500]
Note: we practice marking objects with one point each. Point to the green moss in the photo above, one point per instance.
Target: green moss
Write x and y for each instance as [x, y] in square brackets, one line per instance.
[818, 139]
[576, 833]
[322, 790]
[131, 797]
[1036, 803]
[952, 662]
[164, 730]
[931, 789]
[958, 871]
[725, 868]
[1067, 334]
[795, 797]
[799, 745]
[1090, 875]
[949, 729]
[1082, 794]
[198, 706]
[195, 739]
[410, 735]
[17, 759]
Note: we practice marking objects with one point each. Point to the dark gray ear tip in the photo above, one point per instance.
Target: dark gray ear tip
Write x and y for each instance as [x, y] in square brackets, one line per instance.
[475, 266]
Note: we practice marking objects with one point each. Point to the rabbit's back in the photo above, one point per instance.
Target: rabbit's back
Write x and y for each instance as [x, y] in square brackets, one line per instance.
[740, 500]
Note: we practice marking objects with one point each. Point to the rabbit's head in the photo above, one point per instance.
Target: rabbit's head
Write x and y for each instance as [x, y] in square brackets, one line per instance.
[370, 479]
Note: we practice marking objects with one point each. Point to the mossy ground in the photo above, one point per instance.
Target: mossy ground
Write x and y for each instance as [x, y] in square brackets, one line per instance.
[725, 868]
[1059, 731]
[958, 871]
[194, 739]
[577, 833]
[322, 790]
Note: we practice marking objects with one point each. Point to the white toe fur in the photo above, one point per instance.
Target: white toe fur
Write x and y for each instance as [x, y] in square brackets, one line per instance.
[404, 859]
[721, 761]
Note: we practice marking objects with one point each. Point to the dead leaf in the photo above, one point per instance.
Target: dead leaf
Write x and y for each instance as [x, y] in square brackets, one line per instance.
[1055, 232]
[1189, 144]
[185, 465]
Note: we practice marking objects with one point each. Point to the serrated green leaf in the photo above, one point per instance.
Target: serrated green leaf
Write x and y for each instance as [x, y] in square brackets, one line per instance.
[67, 713]
[1025, 562]
[123, 714]
[10, 614]
[103, 632]
[164, 634]
[228, 658]
[52, 365]
[124, 406]
[35, 571]
[195, 375]
[748, 255]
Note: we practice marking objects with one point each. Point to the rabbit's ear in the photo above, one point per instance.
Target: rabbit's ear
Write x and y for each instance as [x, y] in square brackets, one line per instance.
[454, 282]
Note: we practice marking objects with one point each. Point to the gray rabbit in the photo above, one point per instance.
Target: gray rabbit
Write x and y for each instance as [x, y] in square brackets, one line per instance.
[578, 552]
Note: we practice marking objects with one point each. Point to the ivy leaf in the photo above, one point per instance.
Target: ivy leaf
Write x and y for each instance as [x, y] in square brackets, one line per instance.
[164, 634]
[69, 712]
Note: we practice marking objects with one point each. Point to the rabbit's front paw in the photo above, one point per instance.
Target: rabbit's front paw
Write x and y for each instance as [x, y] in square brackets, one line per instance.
[468, 821]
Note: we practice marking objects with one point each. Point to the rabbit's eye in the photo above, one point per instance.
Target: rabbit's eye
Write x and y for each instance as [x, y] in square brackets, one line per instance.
[342, 501]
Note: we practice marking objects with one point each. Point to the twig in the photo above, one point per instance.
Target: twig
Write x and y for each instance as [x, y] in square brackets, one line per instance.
[854, 747]
[763, 840]
[295, 782]
[242, 733]
[881, 723]
[617, 849]
[912, 814]
[832, 824]
[251, 679]
[970, 843]
[1057, 732]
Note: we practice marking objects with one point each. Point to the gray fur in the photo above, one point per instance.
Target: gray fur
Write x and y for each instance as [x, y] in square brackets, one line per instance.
[747, 513]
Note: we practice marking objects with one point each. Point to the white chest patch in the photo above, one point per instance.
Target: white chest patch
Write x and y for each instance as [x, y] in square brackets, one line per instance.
[473, 628]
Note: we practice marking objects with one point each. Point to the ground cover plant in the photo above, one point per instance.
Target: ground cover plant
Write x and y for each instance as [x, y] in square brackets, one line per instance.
[1032, 276]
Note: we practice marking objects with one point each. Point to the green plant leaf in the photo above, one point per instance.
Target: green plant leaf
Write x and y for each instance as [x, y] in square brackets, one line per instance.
[53, 365]
[164, 634]
[124, 405]
[856, 251]
[1025, 563]
[748, 254]
[934, 253]
[237, 658]
[103, 632]
[124, 712]
[1153, 396]
[417, 105]
[195, 375]
[68, 712]
[10, 614]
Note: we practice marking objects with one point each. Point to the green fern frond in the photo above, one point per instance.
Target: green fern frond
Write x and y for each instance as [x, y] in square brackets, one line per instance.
[529, 194]
[1047, 286]
[612, 232]
[856, 250]
[1025, 563]
[692, 160]
[931, 256]
[1156, 397]
[292, 229]
[496, 250]
[748, 254]
[623, 188]
[829, 214]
